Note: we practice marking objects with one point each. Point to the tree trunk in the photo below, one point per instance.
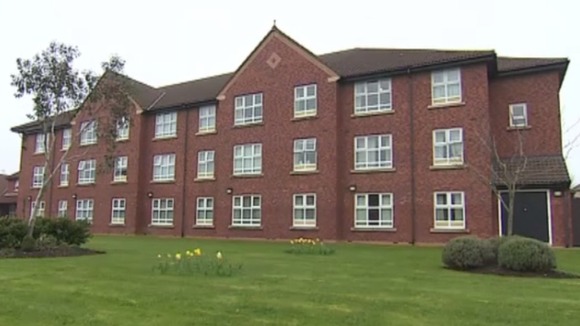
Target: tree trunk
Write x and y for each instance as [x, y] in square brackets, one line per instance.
[510, 218]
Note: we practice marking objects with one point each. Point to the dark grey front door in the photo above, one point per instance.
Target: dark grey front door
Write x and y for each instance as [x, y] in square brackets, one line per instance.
[530, 215]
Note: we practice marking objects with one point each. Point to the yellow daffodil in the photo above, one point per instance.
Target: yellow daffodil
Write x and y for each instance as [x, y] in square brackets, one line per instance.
[178, 256]
[158, 256]
[291, 241]
[219, 255]
[188, 253]
[197, 252]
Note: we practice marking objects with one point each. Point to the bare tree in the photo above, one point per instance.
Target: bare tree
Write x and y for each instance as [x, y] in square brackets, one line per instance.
[59, 92]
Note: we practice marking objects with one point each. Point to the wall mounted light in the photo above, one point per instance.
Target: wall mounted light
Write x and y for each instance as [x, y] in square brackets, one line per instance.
[74, 196]
[150, 194]
[229, 191]
[29, 198]
[352, 188]
[557, 193]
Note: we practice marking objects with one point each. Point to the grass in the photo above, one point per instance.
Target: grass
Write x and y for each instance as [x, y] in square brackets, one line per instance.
[358, 285]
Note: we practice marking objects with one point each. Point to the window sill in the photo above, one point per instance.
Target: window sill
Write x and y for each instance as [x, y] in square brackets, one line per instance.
[206, 132]
[117, 225]
[85, 145]
[163, 181]
[207, 179]
[371, 114]
[375, 229]
[514, 128]
[62, 186]
[124, 140]
[438, 230]
[304, 228]
[164, 138]
[305, 172]
[445, 105]
[448, 167]
[373, 171]
[38, 153]
[36, 188]
[91, 184]
[249, 227]
[248, 125]
[119, 182]
[207, 227]
[247, 176]
[161, 226]
[305, 117]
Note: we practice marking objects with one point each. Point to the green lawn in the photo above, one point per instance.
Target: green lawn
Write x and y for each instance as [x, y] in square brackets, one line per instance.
[359, 285]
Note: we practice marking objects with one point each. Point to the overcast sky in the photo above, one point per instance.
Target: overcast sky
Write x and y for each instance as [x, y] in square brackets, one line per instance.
[165, 42]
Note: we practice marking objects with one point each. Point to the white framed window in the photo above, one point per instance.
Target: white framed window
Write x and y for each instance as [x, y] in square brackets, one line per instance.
[248, 109]
[87, 171]
[204, 213]
[118, 210]
[88, 133]
[247, 159]
[66, 138]
[304, 210]
[449, 210]
[373, 210]
[205, 164]
[41, 142]
[166, 125]
[120, 169]
[64, 174]
[37, 176]
[247, 210]
[446, 86]
[373, 152]
[448, 146]
[305, 154]
[123, 126]
[518, 115]
[305, 100]
[41, 208]
[164, 167]
[372, 96]
[62, 208]
[162, 211]
[84, 209]
[16, 185]
[207, 118]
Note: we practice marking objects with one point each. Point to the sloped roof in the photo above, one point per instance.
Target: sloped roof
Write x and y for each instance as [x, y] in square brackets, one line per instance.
[505, 64]
[539, 170]
[7, 196]
[195, 91]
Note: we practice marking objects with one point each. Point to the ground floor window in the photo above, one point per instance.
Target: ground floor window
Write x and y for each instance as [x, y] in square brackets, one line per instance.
[162, 211]
[374, 210]
[118, 211]
[304, 210]
[85, 209]
[62, 208]
[204, 214]
[247, 210]
[449, 210]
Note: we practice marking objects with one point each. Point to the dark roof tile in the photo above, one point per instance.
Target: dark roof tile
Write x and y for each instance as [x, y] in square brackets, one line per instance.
[506, 64]
[539, 170]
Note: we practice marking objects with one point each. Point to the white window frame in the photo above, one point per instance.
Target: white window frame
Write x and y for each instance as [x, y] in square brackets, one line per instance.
[164, 167]
[41, 143]
[88, 133]
[254, 156]
[523, 117]
[446, 83]
[87, 171]
[118, 211]
[256, 108]
[41, 208]
[205, 164]
[123, 129]
[304, 209]
[362, 94]
[16, 185]
[447, 145]
[62, 208]
[251, 220]
[64, 174]
[166, 125]
[448, 207]
[37, 176]
[66, 138]
[165, 215]
[207, 119]
[120, 169]
[85, 209]
[303, 148]
[304, 96]
[385, 144]
[383, 222]
[204, 213]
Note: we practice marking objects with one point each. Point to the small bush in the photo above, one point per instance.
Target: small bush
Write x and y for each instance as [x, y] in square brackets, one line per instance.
[65, 230]
[465, 253]
[302, 246]
[28, 244]
[47, 242]
[12, 232]
[493, 245]
[526, 255]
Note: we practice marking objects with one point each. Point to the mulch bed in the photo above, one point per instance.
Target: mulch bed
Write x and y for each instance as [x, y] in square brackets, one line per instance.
[496, 270]
[49, 253]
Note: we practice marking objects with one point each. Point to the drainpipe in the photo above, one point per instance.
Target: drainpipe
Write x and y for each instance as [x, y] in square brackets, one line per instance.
[185, 169]
[412, 148]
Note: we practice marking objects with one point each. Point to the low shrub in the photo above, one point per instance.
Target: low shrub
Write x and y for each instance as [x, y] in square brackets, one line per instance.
[306, 246]
[465, 253]
[12, 232]
[47, 242]
[526, 255]
[493, 245]
[64, 230]
[194, 262]
[28, 244]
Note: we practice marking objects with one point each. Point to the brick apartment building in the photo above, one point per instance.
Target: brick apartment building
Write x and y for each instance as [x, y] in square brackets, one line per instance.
[356, 145]
[8, 194]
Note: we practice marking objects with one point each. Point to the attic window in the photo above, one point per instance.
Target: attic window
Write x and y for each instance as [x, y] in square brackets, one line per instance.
[274, 60]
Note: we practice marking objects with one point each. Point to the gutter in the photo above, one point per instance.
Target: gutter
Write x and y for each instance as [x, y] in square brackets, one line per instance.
[413, 164]
[186, 168]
